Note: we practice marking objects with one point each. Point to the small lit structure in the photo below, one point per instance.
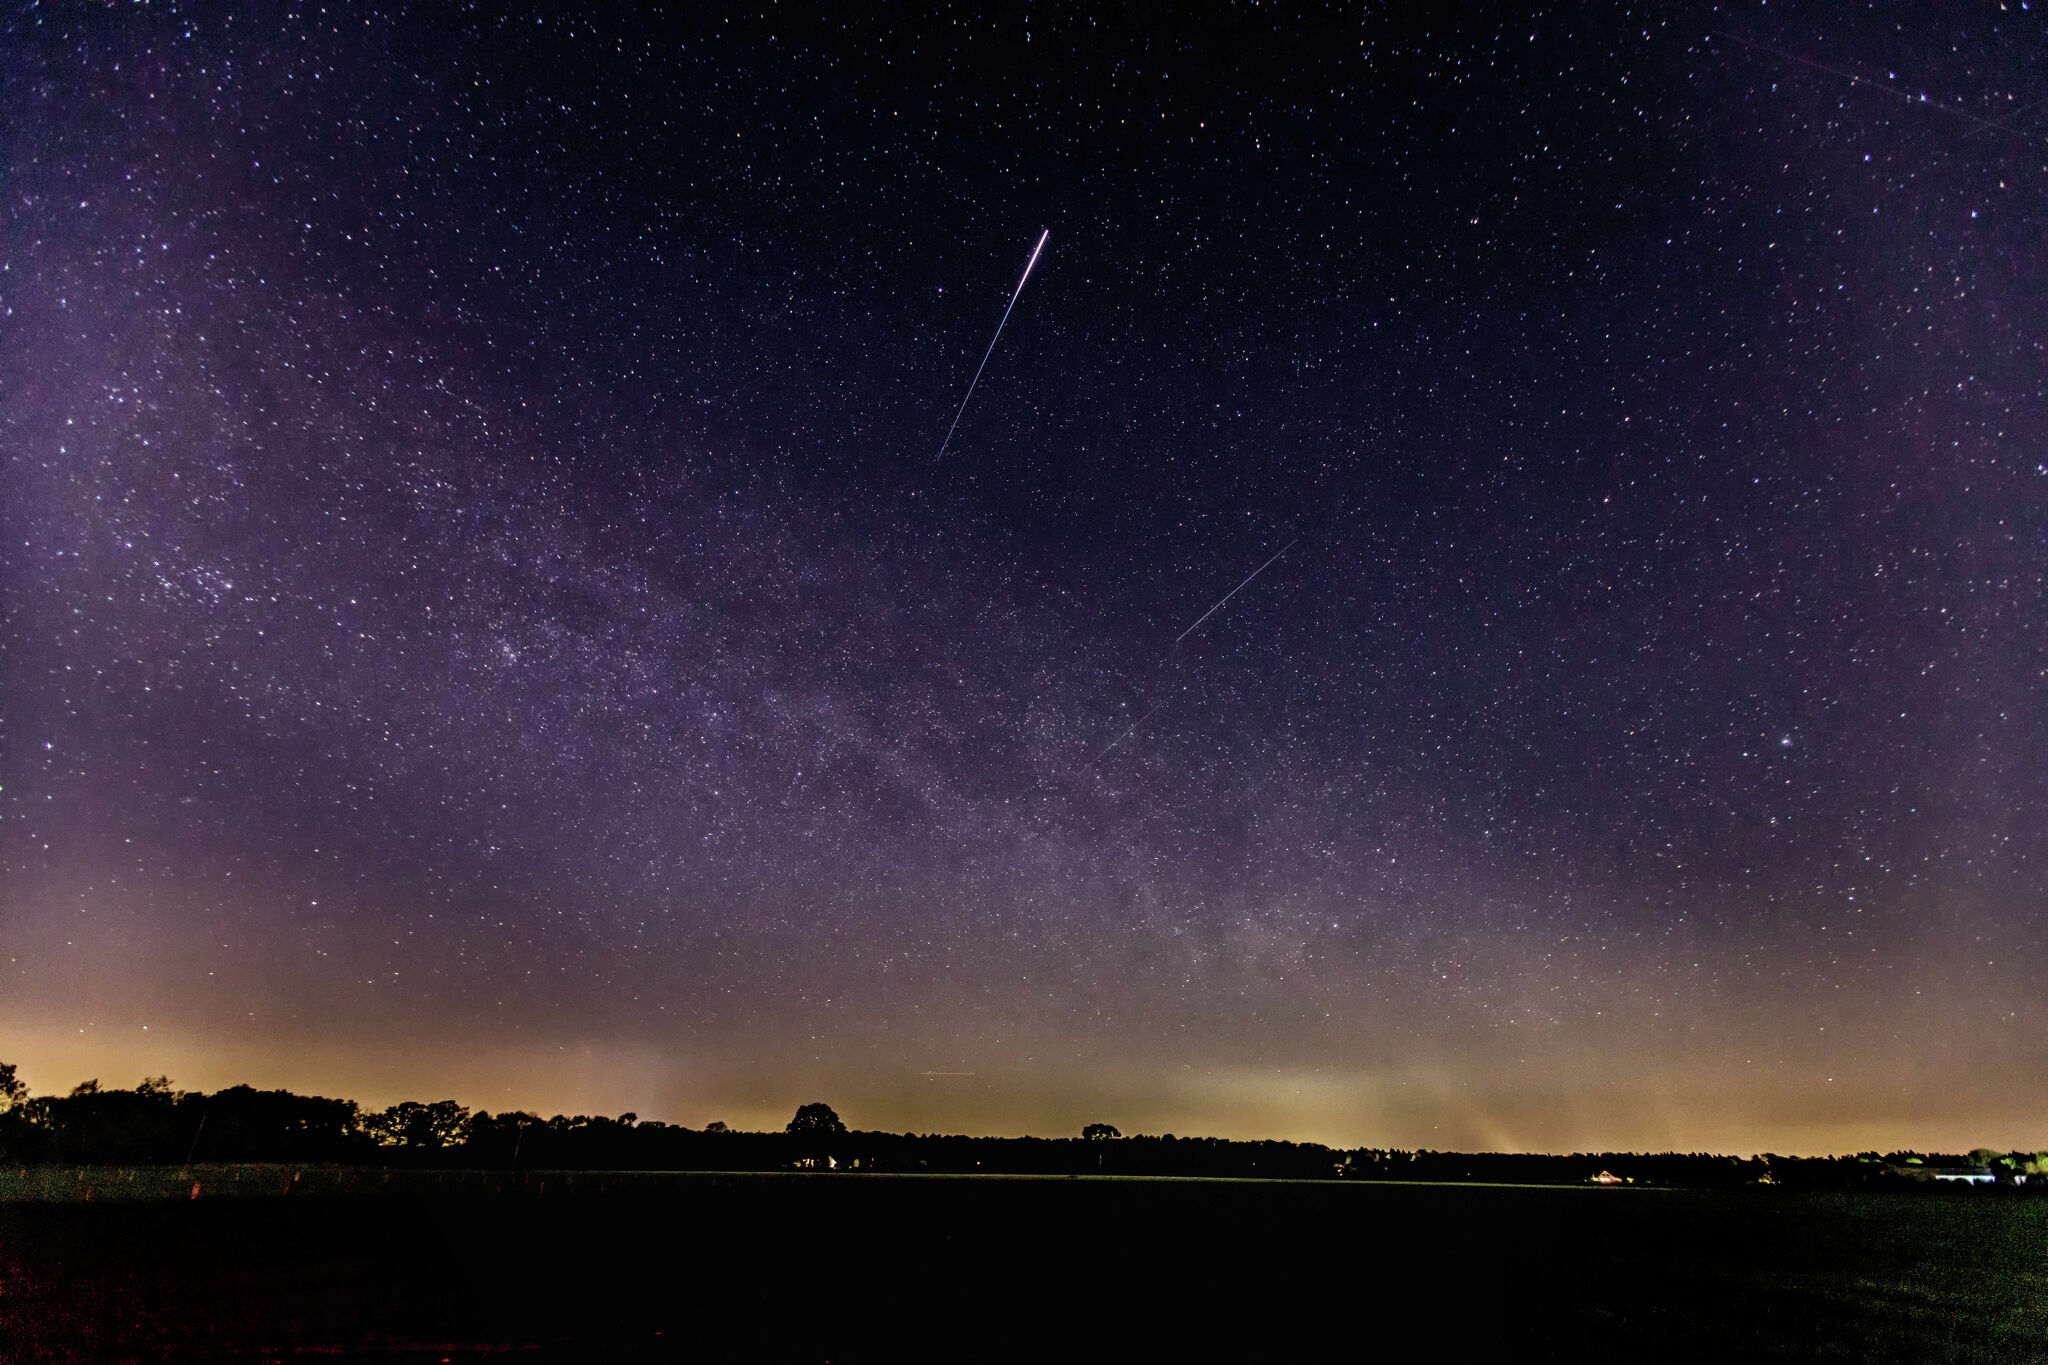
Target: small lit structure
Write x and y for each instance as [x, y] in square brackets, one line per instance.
[1606, 1178]
[1962, 1175]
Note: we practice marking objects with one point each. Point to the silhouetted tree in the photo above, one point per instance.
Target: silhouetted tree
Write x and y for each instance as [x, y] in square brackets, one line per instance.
[93, 1124]
[1098, 1132]
[816, 1121]
[15, 1136]
[427, 1127]
[815, 1128]
[242, 1123]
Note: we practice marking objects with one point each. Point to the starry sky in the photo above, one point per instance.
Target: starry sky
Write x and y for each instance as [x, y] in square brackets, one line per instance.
[485, 615]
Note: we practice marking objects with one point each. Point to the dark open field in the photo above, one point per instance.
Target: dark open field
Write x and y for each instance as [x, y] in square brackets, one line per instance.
[849, 1268]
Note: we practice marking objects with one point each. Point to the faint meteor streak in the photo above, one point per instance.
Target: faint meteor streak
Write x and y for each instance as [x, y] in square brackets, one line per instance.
[1129, 730]
[1234, 592]
[992, 343]
[1984, 125]
[1132, 728]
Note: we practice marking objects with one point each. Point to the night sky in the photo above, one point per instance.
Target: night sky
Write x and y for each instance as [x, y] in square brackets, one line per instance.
[485, 615]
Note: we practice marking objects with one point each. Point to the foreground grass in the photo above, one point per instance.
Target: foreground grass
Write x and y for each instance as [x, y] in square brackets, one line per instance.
[58, 1184]
[436, 1265]
[274, 1180]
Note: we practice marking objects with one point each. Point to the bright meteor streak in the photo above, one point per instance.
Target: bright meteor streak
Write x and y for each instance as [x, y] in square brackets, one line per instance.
[992, 342]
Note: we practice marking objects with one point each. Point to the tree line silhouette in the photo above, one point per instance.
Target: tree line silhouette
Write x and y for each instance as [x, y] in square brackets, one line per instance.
[155, 1124]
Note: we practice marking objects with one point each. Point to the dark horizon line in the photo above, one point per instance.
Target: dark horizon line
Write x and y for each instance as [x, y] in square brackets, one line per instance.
[158, 1088]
